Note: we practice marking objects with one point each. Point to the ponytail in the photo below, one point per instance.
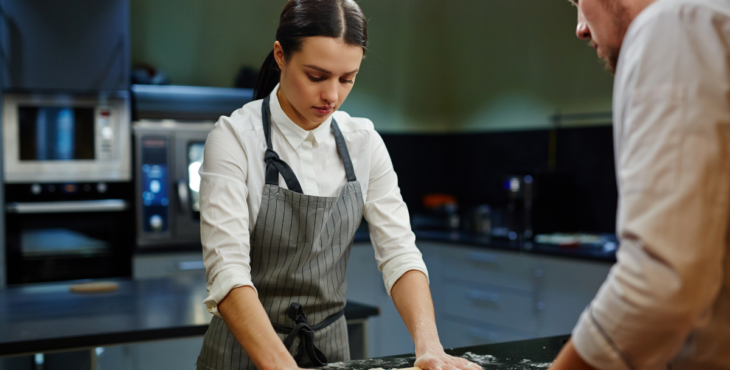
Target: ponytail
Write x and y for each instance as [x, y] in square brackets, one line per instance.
[268, 78]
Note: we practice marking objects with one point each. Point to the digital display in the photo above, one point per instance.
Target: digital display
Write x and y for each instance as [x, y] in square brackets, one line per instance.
[195, 160]
[56, 133]
[155, 187]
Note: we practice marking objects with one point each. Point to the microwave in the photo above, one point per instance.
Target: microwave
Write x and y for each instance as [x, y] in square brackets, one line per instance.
[168, 155]
[63, 138]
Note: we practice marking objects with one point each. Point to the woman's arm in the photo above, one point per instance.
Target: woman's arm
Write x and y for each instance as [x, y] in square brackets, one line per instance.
[412, 298]
[404, 272]
[224, 218]
[246, 319]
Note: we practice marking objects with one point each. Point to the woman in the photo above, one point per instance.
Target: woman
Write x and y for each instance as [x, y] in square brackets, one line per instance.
[284, 185]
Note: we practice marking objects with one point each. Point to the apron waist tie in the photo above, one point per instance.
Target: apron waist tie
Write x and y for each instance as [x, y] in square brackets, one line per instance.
[301, 328]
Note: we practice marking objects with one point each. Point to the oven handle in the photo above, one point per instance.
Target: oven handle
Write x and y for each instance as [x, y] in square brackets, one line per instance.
[106, 205]
[182, 195]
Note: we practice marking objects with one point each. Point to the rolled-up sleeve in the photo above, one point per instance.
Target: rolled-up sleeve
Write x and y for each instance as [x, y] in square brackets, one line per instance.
[673, 166]
[388, 220]
[224, 218]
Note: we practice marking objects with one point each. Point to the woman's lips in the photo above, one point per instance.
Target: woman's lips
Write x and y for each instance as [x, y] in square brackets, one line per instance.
[323, 110]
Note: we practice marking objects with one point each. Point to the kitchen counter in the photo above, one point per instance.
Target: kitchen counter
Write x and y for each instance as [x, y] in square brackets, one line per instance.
[584, 252]
[521, 355]
[48, 317]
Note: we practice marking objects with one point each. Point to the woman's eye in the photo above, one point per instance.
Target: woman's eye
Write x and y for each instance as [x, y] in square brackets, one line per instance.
[344, 81]
[316, 79]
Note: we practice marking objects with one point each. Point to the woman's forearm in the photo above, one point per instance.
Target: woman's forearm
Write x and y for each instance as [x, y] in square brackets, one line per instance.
[247, 320]
[412, 298]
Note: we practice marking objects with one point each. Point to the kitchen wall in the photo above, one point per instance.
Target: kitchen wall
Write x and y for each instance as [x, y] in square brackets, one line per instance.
[433, 65]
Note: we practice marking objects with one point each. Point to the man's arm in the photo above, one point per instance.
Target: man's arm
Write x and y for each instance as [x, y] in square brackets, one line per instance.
[673, 168]
[568, 359]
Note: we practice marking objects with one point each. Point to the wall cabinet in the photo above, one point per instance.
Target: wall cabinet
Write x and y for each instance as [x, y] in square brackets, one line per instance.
[80, 45]
[480, 295]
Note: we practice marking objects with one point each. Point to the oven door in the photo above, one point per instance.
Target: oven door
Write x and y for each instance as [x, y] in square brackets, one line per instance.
[189, 145]
[68, 240]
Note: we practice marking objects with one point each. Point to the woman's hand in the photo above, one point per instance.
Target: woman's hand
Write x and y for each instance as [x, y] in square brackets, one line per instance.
[437, 359]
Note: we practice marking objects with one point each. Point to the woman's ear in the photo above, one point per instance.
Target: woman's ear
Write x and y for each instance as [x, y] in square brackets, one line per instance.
[279, 55]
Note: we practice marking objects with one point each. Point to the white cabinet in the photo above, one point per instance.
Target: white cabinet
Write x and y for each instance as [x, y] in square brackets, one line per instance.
[480, 295]
[387, 334]
[148, 266]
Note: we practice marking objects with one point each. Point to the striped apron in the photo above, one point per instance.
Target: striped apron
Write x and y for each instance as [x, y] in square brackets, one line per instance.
[299, 250]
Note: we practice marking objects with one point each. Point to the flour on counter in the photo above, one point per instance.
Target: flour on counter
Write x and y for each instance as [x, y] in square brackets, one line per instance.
[479, 359]
[538, 365]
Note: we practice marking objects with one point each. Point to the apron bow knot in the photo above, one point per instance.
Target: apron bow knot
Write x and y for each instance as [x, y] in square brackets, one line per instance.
[275, 166]
[301, 328]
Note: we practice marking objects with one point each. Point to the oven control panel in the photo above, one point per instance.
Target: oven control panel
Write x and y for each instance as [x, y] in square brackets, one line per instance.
[154, 177]
[105, 134]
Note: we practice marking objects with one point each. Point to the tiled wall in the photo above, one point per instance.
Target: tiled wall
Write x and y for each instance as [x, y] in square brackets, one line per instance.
[582, 193]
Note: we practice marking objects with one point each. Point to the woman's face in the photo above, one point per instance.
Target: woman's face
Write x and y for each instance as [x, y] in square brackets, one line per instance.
[316, 80]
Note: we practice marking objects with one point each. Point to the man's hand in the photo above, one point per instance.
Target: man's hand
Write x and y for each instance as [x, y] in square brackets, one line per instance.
[568, 359]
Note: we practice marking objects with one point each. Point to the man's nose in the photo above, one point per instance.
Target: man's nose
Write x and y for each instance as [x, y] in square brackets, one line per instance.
[582, 31]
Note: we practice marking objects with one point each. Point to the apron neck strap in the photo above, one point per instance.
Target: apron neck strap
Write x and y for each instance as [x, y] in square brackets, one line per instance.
[276, 166]
[344, 153]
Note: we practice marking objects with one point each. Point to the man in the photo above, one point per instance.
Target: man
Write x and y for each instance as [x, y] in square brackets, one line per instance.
[666, 302]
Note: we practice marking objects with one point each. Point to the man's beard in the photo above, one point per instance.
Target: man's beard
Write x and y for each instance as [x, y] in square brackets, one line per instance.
[610, 61]
[621, 21]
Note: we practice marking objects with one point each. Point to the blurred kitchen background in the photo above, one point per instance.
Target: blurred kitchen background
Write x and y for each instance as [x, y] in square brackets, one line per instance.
[496, 117]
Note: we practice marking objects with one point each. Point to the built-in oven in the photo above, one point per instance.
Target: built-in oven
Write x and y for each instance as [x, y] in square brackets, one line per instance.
[68, 189]
[168, 155]
[68, 231]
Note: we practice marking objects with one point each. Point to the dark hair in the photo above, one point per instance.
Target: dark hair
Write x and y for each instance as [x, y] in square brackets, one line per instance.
[341, 19]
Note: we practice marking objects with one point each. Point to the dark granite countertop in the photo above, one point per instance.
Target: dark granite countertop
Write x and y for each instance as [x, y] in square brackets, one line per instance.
[48, 317]
[528, 354]
[583, 252]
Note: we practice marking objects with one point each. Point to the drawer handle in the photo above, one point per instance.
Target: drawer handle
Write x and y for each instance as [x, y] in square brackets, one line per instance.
[491, 336]
[484, 296]
[107, 205]
[191, 265]
[483, 257]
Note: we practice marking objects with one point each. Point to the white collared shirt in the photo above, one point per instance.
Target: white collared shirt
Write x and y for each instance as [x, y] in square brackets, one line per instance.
[667, 300]
[233, 178]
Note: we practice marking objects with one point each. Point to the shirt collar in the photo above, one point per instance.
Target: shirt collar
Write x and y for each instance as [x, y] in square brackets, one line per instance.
[294, 134]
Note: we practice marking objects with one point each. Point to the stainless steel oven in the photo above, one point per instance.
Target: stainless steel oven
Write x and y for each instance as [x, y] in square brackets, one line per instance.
[68, 189]
[168, 155]
[66, 138]
[68, 231]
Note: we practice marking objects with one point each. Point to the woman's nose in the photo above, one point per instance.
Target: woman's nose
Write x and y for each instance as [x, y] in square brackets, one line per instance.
[329, 94]
[582, 31]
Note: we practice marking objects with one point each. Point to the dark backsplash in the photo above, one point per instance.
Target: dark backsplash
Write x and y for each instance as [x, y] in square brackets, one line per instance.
[581, 195]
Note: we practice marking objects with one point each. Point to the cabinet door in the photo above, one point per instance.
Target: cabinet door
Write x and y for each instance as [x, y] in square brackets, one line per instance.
[455, 334]
[568, 286]
[65, 45]
[387, 334]
[150, 266]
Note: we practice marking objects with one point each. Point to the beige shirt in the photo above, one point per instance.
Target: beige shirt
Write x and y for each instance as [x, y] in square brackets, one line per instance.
[233, 177]
[667, 300]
